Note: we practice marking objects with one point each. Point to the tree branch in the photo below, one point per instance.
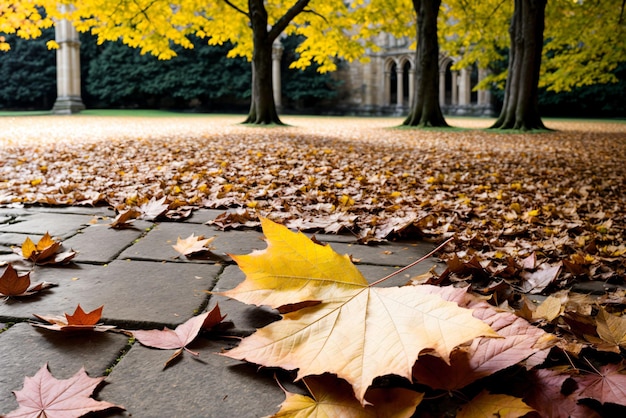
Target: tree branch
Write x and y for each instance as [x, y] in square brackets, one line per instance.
[234, 6]
[282, 23]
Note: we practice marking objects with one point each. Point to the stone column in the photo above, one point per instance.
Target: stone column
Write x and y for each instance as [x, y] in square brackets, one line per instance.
[400, 85]
[464, 88]
[386, 90]
[68, 70]
[411, 86]
[277, 54]
[442, 87]
[455, 88]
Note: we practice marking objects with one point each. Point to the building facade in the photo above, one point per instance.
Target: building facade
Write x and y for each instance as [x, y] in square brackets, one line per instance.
[384, 85]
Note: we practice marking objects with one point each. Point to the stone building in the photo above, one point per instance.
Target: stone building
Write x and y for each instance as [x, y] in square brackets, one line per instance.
[385, 84]
[382, 86]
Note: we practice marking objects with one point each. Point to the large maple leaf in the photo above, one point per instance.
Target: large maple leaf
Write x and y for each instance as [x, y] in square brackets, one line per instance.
[356, 331]
[45, 396]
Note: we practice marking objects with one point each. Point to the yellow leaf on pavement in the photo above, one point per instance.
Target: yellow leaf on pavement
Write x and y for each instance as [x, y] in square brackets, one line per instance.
[486, 405]
[356, 332]
[332, 397]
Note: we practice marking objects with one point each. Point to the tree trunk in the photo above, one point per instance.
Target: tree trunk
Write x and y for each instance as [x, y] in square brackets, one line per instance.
[425, 109]
[262, 106]
[520, 108]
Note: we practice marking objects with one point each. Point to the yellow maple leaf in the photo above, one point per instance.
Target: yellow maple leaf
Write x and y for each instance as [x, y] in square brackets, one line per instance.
[355, 331]
[332, 397]
[486, 404]
[611, 328]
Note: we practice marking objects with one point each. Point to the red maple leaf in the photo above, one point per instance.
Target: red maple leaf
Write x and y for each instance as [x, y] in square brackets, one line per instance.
[185, 333]
[45, 396]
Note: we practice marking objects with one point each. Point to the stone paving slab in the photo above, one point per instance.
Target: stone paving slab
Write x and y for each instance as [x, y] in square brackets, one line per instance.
[157, 244]
[136, 293]
[25, 349]
[101, 244]
[207, 386]
[62, 225]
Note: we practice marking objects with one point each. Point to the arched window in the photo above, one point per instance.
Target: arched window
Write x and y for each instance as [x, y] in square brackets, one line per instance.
[406, 70]
[393, 84]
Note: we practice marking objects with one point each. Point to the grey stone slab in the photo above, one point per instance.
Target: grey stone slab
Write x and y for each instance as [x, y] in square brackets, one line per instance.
[157, 244]
[202, 216]
[134, 293]
[25, 349]
[387, 254]
[245, 318]
[13, 239]
[208, 386]
[60, 225]
[101, 244]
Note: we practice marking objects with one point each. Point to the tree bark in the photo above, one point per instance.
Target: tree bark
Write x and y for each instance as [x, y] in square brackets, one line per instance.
[520, 109]
[262, 105]
[425, 109]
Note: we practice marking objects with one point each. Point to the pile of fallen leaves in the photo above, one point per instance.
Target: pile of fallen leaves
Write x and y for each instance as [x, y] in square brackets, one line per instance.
[557, 196]
[364, 350]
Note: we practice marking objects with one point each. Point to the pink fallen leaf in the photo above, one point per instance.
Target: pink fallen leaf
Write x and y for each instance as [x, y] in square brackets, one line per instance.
[45, 396]
[608, 385]
[179, 338]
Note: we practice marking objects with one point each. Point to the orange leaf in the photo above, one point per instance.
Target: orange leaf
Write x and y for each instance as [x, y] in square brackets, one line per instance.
[12, 284]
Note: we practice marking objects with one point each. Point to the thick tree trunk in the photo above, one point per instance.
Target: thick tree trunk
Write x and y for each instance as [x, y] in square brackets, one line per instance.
[520, 109]
[425, 109]
[262, 106]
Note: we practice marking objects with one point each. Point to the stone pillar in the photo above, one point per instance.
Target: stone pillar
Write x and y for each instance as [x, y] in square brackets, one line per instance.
[455, 88]
[387, 92]
[464, 88]
[411, 86]
[68, 70]
[277, 54]
[399, 85]
[442, 87]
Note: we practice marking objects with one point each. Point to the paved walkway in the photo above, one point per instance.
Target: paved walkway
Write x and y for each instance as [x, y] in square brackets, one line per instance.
[143, 284]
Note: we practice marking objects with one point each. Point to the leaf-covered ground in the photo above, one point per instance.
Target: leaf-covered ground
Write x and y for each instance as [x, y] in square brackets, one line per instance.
[557, 196]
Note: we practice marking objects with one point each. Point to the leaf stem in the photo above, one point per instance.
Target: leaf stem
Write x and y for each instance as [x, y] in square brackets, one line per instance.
[413, 263]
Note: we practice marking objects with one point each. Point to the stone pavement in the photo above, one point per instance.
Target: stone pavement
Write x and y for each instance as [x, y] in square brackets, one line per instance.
[143, 284]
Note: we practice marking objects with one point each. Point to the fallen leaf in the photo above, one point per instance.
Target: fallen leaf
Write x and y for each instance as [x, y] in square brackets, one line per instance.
[545, 396]
[78, 321]
[357, 332]
[486, 405]
[45, 396]
[45, 251]
[12, 284]
[178, 338]
[193, 245]
[153, 209]
[607, 385]
[333, 397]
[124, 219]
[550, 309]
[538, 280]
[483, 356]
[611, 328]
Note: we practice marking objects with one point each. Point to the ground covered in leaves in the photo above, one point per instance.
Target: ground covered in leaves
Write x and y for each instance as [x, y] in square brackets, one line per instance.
[556, 197]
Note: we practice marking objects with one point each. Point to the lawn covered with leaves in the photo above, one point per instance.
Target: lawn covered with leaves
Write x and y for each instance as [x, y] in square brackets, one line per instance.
[556, 197]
